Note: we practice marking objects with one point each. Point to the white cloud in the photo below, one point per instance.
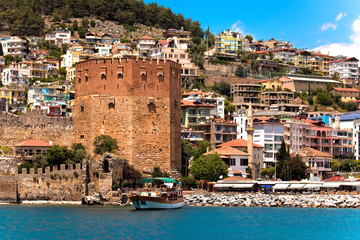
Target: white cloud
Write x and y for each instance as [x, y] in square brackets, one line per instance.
[340, 16]
[326, 26]
[236, 27]
[347, 49]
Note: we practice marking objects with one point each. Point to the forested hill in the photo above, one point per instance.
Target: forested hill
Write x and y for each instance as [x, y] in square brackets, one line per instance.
[25, 17]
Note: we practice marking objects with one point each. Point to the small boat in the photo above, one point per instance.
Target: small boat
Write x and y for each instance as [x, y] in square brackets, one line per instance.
[165, 197]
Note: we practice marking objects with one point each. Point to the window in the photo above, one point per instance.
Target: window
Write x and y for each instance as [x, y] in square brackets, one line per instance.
[268, 146]
[120, 76]
[111, 105]
[103, 76]
[278, 138]
[268, 155]
[81, 108]
[86, 78]
[232, 162]
[244, 162]
[82, 136]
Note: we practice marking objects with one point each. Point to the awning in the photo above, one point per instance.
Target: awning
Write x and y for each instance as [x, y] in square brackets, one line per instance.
[219, 185]
[331, 184]
[243, 185]
[312, 186]
[267, 186]
[350, 184]
[296, 186]
[281, 186]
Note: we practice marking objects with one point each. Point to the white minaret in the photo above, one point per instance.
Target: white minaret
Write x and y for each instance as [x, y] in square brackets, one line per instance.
[250, 134]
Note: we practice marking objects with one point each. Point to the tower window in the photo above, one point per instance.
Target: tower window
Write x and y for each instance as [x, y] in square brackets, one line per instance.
[103, 76]
[81, 108]
[112, 105]
[120, 76]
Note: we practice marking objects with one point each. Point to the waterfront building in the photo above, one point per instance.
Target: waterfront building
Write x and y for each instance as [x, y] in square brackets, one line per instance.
[318, 163]
[236, 160]
[296, 134]
[348, 70]
[269, 132]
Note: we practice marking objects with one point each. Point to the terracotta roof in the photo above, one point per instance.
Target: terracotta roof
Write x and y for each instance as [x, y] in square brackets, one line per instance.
[310, 152]
[234, 179]
[146, 37]
[346, 89]
[266, 80]
[320, 54]
[343, 59]
[187, 103]
[227, 151]
[163, 42]
[239, 143]
[34, 143]
[335, 179]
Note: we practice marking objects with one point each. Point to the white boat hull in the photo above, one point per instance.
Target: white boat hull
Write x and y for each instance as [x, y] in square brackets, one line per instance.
[156, 205]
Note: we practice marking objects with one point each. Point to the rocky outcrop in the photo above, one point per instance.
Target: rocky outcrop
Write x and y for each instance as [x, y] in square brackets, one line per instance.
[268, 200]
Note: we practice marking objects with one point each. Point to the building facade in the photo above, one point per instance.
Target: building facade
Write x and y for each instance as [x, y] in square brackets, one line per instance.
[348, 70]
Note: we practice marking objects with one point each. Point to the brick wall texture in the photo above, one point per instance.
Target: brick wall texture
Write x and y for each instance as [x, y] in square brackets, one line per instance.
[137, 102]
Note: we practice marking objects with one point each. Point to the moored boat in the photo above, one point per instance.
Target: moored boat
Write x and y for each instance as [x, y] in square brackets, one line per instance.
[165, 197]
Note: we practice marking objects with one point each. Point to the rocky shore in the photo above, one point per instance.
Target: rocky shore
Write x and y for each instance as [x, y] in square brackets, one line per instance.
[272, 200]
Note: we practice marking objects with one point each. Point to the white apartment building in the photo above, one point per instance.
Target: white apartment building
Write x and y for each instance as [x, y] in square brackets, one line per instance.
[144, 44]
[270, 134]
[61, 36]
[14, 46]
[296, 134]
[241, 120]
[347, 68]
[16, 76]
[208, 98]
[356, 139]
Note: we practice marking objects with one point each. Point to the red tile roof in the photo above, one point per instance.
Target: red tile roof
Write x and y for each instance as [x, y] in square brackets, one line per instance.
[343, 59]
[163, 42]
[146, 38]
[310, 152]
[34, 143]
[235, 179]
[227, 151]
[335, 179]
[239, 143]
[187, 103]
[347, 89]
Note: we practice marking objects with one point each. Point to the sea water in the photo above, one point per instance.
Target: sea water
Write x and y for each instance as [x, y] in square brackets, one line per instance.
[88, 222]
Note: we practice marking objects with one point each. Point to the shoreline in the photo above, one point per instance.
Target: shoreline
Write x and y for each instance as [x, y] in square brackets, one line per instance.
[273, 200]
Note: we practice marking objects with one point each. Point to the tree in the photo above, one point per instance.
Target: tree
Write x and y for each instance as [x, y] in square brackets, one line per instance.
[229, 108]
[271, 55]
[222, 88]
[294, 169]
[347, 165]
[281, 156]
[209, 167]
[75, 25]
[336, 76]
[335, 165]
[130, 175]
[57, 155]
[92, 23]
[324, 99]
[104, 143]
[158, 173]
[85, 22]
[241, 71]
[249, 38]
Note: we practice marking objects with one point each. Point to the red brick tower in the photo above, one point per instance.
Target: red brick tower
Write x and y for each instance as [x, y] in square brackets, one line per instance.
[136, 101]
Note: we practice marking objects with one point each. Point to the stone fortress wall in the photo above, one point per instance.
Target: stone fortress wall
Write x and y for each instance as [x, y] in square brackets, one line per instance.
[15, 129]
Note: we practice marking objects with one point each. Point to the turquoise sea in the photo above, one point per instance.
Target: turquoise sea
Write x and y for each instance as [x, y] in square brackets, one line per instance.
[86, 222]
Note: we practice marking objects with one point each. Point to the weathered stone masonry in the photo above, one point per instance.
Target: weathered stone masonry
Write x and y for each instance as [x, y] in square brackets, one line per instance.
[136, 101]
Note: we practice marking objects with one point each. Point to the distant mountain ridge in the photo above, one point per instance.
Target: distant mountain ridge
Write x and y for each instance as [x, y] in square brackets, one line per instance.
[26, 17]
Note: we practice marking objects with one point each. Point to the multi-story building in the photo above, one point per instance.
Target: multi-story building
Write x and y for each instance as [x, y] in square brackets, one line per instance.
[303, 59]
[2, 63]
[347, 68]
[286, 55]
[218, 131]
[103, 49]
[59, 37]
[296, 134]
[208, 98]
[195, 112]
[306, 83]
[240, 118]
[335, 142]
[120, 48]
[175, 48]
[356, 139]
[13, 95]
[277, 44]
[269, 132]
[243, 94]
[13, 75]
[347, 94]
[42, 96]
[321, 63]
[230, 43]
[242, 145]
[318, 163]
[135, 101]
[14, 46]
[144, 44]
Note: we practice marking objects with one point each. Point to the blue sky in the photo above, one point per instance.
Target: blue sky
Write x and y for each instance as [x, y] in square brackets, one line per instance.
[332, 25]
